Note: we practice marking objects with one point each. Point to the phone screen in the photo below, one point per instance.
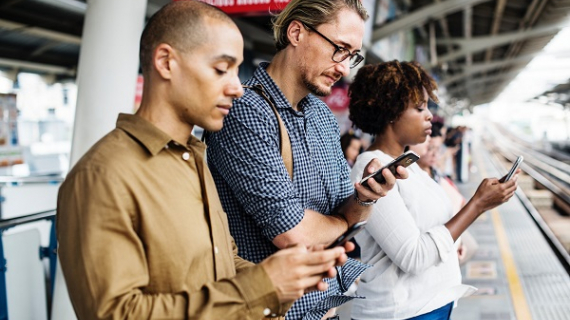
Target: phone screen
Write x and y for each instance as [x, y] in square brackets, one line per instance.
[514, 168]
[404, 160]
[349, 234]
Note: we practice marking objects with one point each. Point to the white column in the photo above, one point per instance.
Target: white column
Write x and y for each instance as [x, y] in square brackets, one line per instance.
[107, 76]
[108, 67]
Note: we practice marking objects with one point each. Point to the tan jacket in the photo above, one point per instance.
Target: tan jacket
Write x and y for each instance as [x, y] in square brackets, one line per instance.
[142, 234]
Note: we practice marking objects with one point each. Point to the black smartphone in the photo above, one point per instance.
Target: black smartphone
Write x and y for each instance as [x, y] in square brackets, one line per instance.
[349, 234]
[404, 160]
[514, 168]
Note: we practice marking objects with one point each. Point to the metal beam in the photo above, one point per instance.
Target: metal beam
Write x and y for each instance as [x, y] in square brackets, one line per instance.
[483, 81]
[499, 9]
[37, 67]
[486, 66]
[482, 43]
[421, 16]
[39, 32]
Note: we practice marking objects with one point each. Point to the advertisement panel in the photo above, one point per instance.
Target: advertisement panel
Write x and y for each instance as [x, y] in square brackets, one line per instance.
[249, 7]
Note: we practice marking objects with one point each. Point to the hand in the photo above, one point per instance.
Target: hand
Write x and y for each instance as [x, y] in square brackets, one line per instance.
[492, 193]
[461, 252]
[375, 190]
[297, 270]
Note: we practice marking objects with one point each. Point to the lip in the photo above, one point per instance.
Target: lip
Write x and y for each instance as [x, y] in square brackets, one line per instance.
[428, 130]
[225, 109]
[333, 80]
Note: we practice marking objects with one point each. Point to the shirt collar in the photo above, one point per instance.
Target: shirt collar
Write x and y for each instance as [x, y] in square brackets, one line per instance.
[152, 138]
[273, 90]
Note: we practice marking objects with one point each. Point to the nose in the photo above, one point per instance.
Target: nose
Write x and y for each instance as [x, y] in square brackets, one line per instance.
[429, 115]
[234, 89]
[343, 67]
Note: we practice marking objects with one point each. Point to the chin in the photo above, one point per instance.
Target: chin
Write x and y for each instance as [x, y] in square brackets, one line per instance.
[318, 90]
[214, 126]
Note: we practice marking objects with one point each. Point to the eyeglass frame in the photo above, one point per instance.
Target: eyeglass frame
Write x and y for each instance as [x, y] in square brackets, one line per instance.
[338, 48]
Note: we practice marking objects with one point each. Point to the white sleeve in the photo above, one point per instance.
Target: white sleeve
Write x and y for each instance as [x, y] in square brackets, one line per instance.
[394, 229]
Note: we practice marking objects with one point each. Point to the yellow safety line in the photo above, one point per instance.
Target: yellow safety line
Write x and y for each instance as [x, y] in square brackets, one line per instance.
[520, 305]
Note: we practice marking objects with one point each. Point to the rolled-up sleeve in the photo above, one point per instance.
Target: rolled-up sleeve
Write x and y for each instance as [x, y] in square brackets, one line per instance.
[246, 155]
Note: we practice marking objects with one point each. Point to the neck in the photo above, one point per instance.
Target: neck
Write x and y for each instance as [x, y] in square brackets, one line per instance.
[388, 143]
[162, 115]
[287, 79]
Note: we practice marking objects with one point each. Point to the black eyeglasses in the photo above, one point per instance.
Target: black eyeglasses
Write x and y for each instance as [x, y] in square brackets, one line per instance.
[340, 53]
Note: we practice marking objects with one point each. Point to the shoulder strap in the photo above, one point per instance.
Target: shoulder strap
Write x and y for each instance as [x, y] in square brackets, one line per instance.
[285, 142]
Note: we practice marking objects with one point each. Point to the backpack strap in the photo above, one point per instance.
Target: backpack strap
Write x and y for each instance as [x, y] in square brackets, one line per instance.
[284, 140]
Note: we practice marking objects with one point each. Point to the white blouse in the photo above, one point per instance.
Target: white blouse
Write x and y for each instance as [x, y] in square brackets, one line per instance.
[415, 268]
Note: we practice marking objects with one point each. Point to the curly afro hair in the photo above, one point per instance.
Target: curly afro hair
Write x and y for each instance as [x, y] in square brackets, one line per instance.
[380, 93]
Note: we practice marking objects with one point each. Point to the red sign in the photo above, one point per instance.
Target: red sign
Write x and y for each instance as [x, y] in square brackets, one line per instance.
[338, 100]
[248, 6]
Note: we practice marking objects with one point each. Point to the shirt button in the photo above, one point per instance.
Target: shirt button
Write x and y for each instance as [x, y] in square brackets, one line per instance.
[266, 312]
[185, 156]
[216, 250]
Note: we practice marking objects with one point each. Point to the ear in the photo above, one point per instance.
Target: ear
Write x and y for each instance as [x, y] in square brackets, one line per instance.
[295, 32]
[163, 59]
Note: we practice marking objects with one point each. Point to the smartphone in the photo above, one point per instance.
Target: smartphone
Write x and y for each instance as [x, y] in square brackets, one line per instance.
[514, 168]
[403, 160]
[349, 234]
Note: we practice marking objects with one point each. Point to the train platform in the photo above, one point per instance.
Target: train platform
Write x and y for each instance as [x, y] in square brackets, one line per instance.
[517, 272]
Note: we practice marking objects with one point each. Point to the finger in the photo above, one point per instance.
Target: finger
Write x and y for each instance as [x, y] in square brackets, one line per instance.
[309, 282]
[341, 260]
[320, 258]
[402, 172]
[372, 192]
[372, 166]
[330, 273]
[349, 246]
[389, 177]
[317, 247]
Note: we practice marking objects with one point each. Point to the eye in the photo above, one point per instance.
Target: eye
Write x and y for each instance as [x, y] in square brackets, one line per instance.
[220, 71]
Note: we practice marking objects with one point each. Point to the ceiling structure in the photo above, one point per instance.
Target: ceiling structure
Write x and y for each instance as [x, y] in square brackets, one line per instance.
[477, 46]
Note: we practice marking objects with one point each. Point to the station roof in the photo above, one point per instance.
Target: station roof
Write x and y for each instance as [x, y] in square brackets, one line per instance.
[477, 46]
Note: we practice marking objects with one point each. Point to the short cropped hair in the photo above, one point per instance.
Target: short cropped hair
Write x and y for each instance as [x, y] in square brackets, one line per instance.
[179, 24]
[380, 93]
[312, 13]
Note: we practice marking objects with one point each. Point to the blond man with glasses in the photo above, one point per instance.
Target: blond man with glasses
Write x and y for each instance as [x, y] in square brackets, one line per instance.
[268, 207]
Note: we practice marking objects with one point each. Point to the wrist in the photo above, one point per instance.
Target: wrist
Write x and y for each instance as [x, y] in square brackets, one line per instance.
[363, 203]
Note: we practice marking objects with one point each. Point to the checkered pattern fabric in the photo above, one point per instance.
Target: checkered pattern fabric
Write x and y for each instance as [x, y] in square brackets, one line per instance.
[255, 189]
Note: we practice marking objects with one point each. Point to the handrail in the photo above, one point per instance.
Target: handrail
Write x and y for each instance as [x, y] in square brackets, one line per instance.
[11, 180]
[12, 222]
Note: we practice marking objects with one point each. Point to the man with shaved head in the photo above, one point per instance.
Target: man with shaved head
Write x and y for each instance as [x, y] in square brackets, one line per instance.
[142, 233]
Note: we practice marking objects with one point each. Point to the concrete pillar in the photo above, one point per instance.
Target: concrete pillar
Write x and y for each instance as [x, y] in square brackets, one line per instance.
[106, 81]
[108, 68]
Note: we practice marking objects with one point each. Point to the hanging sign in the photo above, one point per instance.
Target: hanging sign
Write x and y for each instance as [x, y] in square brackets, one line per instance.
[255, 7]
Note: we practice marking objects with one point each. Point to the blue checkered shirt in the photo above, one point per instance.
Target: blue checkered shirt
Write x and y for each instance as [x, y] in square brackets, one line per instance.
[256, 191]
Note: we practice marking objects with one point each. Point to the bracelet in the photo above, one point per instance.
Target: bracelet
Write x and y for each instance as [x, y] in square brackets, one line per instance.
[363, 203]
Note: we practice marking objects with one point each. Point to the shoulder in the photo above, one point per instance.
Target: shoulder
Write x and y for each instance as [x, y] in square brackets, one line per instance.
[251, 104]
[115, 154]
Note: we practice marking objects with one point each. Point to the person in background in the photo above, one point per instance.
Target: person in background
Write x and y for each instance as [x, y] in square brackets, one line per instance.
[269, 208]
[409, 238]
[351, 146]
[142, 233]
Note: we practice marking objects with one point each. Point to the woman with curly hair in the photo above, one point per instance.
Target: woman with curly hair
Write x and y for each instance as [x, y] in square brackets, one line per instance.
[409, 238]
